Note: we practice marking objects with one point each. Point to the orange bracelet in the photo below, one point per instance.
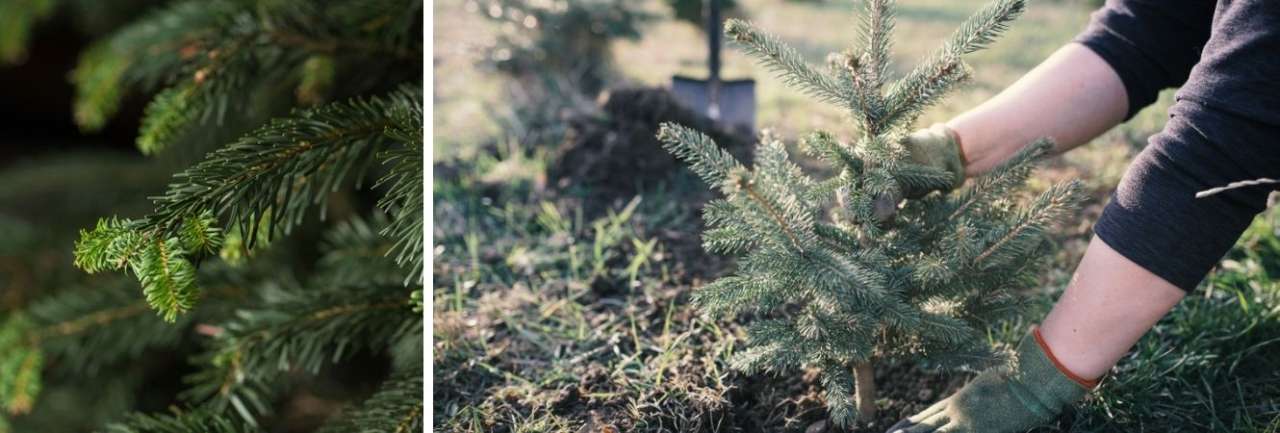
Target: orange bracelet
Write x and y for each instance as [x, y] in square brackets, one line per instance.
[1087, 383]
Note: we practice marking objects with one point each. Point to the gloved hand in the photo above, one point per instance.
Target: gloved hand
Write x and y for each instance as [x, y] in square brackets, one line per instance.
[1004, 399]
[937, 147]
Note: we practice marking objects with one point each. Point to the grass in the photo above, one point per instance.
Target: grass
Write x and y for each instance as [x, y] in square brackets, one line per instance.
[1213, 364]
[551, 321]
[551, 317]
[548, 321]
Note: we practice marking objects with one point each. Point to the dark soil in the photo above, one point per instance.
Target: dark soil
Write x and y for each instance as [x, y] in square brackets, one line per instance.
[615, 153]
[904, 390]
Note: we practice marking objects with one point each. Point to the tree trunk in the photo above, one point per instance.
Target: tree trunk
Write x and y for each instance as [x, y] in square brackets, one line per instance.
[864, 377]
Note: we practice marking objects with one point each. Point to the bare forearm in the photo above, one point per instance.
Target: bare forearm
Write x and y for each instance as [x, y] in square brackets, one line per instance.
[1071, 97]
[1109, 304]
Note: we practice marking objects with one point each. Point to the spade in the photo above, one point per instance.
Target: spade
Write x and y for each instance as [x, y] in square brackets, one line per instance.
[732, 103]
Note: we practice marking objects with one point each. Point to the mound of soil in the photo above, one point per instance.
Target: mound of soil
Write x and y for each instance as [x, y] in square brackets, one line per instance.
[614, 152]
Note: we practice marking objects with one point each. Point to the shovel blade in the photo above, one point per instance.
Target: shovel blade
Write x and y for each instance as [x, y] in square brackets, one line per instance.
[737, 100]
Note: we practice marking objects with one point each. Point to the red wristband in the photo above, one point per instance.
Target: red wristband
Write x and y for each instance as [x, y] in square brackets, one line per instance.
[1087, 383]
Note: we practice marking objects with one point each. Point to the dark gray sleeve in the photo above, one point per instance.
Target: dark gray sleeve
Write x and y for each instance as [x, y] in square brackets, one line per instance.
[1224, 127]
[1151, 44]
[1154, 218]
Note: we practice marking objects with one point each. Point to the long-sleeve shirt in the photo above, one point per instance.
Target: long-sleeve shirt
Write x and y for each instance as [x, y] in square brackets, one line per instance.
[1223, 127]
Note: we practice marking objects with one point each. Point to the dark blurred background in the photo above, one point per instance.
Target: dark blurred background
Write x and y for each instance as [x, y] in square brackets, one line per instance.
[36, 95]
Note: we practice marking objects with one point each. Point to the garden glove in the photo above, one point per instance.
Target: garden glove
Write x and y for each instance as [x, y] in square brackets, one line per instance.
[1029, 392]
[937, 147]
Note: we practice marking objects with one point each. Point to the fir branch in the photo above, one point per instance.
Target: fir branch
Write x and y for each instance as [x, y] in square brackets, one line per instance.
[110, 245]
[204, 85]
[838, 384]
[93, 320]
[728, 231]
[296, 329]
[982, 28]
[759, 356]
[877, 25]
[193, 421]
[922, 88]
[708, 160]
[787, 63]
[207, 51]
[354, 253]
[160, 262]
[727, 240]
[925, 85]
[734, 294]
[199, 235]
[316, 79]
[166, 117]
[840, 238]
[850, 284]
[1000, 179]
[932, 272]
[365, 28]
[283, 168]
[775, 346]
[26, 383]
[747, 185]
[98, 80]
[20, 365]
[405, 182]
[336, 45]
[1048, 207]
[107, 320]
[395, 408]
[947, 330]
[774, 166]
[143, 54]
[168, 278]
[823, 145]
[922, 178]
[17, 19]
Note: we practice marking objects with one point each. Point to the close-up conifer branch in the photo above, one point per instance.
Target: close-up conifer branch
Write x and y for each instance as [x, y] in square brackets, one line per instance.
[283, 242]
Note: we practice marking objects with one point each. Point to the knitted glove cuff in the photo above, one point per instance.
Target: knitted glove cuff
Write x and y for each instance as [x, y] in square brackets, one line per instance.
[1040, 383]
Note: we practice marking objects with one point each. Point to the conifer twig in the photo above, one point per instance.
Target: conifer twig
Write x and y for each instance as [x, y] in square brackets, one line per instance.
[746, 185]
[1237, 184]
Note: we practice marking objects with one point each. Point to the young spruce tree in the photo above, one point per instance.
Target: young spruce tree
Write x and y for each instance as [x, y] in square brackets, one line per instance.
[321, 103]
[836, 276]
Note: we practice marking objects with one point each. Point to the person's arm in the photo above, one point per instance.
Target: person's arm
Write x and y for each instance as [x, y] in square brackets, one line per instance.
[1071, 97]
[1108, 305]
[1155, 238]
[1131, 50]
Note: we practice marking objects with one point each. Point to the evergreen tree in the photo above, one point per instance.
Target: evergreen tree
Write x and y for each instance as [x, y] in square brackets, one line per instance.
[836, 274]
[322, 103]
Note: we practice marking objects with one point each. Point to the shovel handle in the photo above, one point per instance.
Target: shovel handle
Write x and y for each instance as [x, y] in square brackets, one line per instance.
[713, 58]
